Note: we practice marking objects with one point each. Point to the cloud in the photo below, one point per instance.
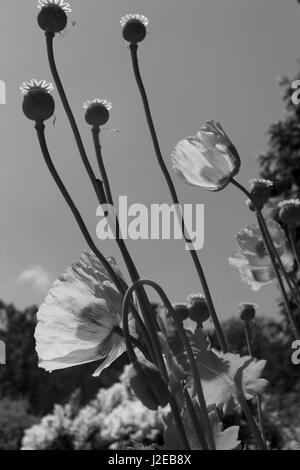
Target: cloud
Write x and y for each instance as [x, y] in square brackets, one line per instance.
[37, 276]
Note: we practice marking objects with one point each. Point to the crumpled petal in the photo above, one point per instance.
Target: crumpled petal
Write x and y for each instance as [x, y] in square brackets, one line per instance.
[77, 320]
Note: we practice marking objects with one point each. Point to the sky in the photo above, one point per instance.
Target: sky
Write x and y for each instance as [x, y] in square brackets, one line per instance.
[201, 59]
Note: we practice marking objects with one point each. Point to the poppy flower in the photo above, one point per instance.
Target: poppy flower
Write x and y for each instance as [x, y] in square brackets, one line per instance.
[76, 323]
[252, 259]
[208, 160]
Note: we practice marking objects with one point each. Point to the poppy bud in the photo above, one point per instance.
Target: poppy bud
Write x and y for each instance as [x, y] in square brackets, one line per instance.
[247, 312]
[97, 112]
[260, 190]
[181, 311]
[52, 18]
[134, 28]
[198, 309]
[289, 212]
[38, 104]
[148, 384]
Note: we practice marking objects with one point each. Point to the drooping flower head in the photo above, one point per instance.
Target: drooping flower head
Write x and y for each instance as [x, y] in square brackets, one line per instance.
[76, 323]
[289, 212]
[252, 259]
[38, 103]
[208, 160]
[134, 27]
[97, 112]
[52, 17]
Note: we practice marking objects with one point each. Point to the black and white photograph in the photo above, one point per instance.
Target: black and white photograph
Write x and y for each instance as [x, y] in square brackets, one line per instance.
[150, 228]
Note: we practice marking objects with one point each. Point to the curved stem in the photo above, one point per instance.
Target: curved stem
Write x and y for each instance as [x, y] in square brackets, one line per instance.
[292, 286]
[172, 400]
[129, 263]
[119, 282]
[220, 335]
[118, 330]
[247, 330]
[151, 330]
[65, 102]
[40, 128]
[189, 351]
[134, 275]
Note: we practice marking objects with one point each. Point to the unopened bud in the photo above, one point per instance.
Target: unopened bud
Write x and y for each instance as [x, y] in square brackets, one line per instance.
[198, 309]
[148, 384]
[260, 190]
[289, 212]
[247, 312]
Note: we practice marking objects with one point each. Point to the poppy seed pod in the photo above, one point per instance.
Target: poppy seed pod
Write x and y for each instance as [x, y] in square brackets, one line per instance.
[181, 311]
[97, 112]
[148, 384]
[247, 312]
[198, 309]
[52, 18]
[38, 104]
[260, 190]
[134, 28]
[289, 212]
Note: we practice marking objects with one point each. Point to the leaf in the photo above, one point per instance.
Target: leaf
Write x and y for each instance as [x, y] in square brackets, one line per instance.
[218, 371]
[224, 439]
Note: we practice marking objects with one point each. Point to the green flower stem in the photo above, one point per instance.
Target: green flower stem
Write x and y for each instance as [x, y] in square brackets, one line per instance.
[251, 421]
[120, 284]
[143, 300]
[220, 335]
[293, 322]
[185, 341]
[40, 129]
[151, 329]
[270, 247]
[247, 330]
[97, 146]
[292, 238]
[178, 421]
[64, 100]
[292, 286]
[151, 344]
[172, 400]
[195, 420]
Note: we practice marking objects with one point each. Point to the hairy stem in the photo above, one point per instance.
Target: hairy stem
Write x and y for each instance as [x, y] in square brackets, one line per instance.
[195, 258]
